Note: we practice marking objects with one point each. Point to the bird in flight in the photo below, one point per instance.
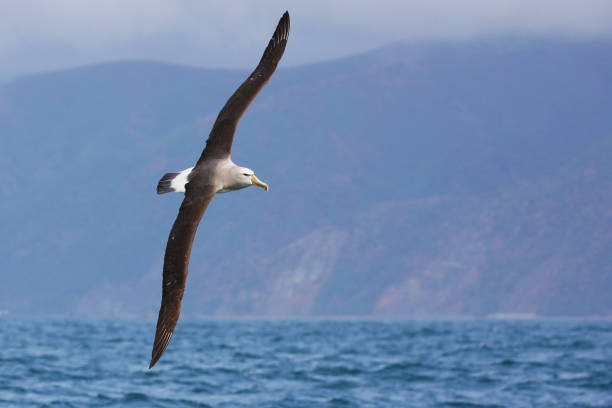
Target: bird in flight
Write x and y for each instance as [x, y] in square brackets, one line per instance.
[213, 173]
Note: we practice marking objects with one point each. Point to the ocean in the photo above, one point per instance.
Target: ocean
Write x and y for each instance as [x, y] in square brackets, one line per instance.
[322, 363]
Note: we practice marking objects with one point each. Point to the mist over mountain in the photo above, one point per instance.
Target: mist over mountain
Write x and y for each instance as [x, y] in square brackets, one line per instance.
[417, 180]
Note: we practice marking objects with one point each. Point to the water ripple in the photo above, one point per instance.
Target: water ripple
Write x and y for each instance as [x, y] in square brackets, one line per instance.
[304, 364]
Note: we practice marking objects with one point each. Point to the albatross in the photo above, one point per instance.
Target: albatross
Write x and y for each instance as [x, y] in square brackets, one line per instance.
[213, 173]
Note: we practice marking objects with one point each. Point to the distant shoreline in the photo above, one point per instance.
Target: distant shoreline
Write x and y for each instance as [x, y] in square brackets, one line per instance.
[518, 317]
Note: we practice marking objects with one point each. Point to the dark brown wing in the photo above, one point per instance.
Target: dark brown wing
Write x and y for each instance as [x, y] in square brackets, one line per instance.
[219, 143]
[176, 264]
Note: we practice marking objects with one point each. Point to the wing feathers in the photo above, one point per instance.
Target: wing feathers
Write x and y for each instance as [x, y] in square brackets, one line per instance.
[176, 264]
[219, 143]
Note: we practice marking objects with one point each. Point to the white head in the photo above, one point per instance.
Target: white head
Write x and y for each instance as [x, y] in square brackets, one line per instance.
[243, 177]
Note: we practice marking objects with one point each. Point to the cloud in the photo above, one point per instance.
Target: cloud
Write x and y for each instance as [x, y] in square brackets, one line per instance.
[42, 35]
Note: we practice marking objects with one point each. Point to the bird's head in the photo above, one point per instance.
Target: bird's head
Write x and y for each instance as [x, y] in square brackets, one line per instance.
[246, 177]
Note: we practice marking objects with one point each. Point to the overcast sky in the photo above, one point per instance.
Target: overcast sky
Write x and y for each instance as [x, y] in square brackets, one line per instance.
[49, 34]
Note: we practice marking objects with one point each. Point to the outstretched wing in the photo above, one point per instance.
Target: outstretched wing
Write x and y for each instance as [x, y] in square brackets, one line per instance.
[176, 264]
[219, 143]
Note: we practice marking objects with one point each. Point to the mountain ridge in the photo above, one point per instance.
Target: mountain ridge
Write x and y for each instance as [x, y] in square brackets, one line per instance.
[409, 181]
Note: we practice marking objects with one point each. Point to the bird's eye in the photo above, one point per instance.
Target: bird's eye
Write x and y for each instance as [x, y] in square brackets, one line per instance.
[245, 174]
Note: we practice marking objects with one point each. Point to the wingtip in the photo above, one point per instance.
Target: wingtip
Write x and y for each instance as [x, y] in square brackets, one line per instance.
[284, 18]
[154, 361]
[282, 29]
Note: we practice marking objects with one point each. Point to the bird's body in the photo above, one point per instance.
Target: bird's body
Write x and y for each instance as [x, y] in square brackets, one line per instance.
[223, 174]
[215, 172]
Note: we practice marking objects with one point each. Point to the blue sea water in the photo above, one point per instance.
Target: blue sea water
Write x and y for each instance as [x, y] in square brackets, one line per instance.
[66, 363]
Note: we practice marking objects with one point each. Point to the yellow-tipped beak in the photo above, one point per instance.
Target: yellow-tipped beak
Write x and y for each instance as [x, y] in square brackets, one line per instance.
[257, 182]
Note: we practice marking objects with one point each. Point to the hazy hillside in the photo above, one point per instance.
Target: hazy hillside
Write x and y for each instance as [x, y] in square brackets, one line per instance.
[415, 180]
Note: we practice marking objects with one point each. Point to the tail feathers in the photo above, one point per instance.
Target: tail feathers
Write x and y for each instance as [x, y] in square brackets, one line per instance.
[164, 185]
